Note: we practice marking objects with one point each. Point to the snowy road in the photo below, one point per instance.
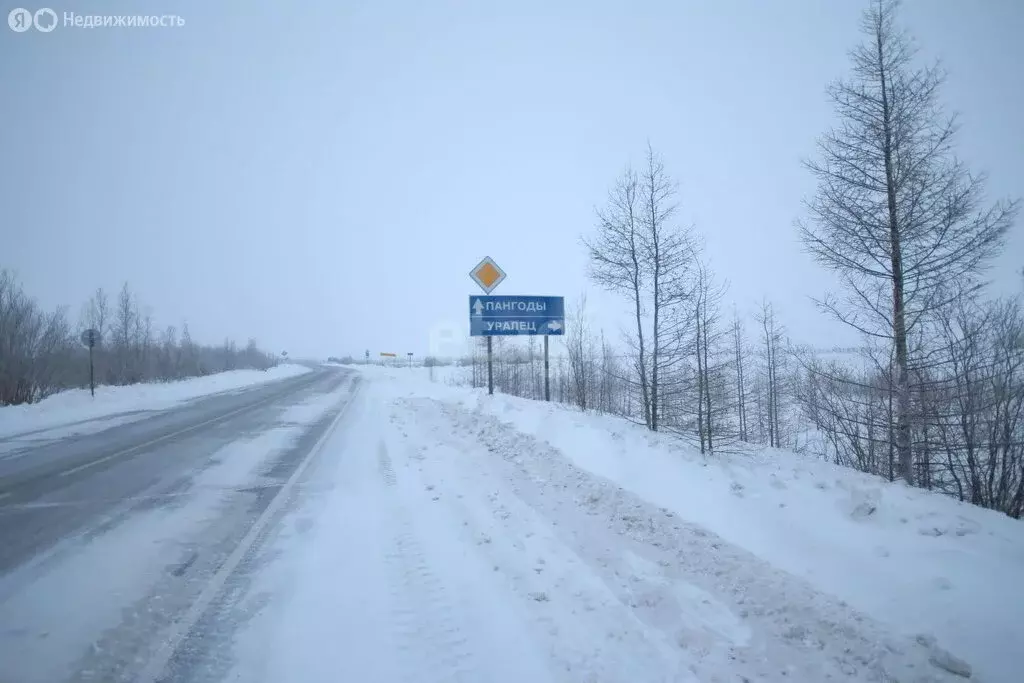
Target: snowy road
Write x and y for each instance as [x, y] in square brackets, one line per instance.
[51, 488]
[110, 539]
[348, 528]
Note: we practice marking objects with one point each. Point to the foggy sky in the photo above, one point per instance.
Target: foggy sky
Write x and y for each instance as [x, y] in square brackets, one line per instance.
[323, 175]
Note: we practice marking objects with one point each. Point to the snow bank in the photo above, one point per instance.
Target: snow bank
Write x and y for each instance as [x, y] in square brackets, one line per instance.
[76, 405]
[447, 375]
[923, 564]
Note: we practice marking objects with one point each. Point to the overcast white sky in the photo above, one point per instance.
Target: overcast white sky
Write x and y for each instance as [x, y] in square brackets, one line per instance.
[323, 175]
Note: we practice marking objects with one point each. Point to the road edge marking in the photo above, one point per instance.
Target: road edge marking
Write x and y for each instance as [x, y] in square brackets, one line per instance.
[154, 669]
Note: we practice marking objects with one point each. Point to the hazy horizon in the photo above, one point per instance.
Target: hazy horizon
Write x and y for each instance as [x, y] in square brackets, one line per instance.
[323, 179]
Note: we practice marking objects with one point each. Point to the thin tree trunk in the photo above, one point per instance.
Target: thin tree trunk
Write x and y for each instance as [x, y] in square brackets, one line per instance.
[899, 320]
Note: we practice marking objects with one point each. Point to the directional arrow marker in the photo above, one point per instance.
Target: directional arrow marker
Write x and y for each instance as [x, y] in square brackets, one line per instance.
[554, 325]
[478, 308]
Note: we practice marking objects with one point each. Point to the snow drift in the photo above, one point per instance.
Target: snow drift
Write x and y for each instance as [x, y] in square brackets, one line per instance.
[944, 573]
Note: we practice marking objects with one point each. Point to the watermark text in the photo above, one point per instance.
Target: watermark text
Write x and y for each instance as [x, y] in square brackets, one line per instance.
[46, 20]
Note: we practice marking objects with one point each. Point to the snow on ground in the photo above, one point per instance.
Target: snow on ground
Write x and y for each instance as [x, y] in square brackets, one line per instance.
[448, 375]
[467, 537]
[71, 410]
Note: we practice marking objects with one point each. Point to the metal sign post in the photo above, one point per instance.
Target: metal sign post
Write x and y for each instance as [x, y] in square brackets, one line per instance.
[490, 368]
[547, 374]
[488, 275]
[90, 338]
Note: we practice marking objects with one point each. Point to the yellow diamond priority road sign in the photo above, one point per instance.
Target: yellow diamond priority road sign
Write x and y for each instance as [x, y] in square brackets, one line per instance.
[487, 274]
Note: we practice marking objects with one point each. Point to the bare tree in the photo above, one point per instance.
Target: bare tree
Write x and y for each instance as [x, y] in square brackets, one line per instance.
[230, 353]
[170, 355]
[896, 214]
[972, 406]
[640, 252]
[739, 349]
[606, 378]
[96, 314]
[579, 348]
[536, 368]
[189, 365]
[148, 362]
[123, 333]
[617, 263]
[35, 347]
[708, 335]
[669, 253]
[772, 343]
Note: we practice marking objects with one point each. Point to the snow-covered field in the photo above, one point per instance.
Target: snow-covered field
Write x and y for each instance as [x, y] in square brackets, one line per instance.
[113, 403]
[456, 536]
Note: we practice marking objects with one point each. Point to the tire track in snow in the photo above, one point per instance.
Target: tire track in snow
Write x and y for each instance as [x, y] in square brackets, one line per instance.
[678, 578]
[387, 471]
[587, 633]
[423, 612]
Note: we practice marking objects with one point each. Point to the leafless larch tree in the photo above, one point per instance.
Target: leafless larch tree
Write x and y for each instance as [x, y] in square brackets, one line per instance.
[896, 215]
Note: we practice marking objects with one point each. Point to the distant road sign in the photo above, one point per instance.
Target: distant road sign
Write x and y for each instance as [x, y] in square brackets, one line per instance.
[491, 316]
[487, 274]
[387, 355]
[90, 338]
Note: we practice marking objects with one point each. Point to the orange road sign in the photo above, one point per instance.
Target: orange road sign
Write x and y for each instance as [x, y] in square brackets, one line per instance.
[487, 274]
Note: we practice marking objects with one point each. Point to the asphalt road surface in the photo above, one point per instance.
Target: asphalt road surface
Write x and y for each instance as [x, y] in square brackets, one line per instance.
[114, 544]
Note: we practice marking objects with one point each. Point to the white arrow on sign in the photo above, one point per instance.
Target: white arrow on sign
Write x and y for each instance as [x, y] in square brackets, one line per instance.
[478, 307]
[554, 325]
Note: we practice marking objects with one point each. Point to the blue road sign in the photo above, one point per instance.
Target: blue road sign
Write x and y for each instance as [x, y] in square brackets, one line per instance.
[491, 316]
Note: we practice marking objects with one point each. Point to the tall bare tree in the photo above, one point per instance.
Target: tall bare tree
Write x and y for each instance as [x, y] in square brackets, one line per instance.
[739, 349]
[669, 255]
[772, 336]
[170, 355]
[617, 263]
[707, 297]
[96, 314]
[639, 251]
[896, 214]
[123, 333]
